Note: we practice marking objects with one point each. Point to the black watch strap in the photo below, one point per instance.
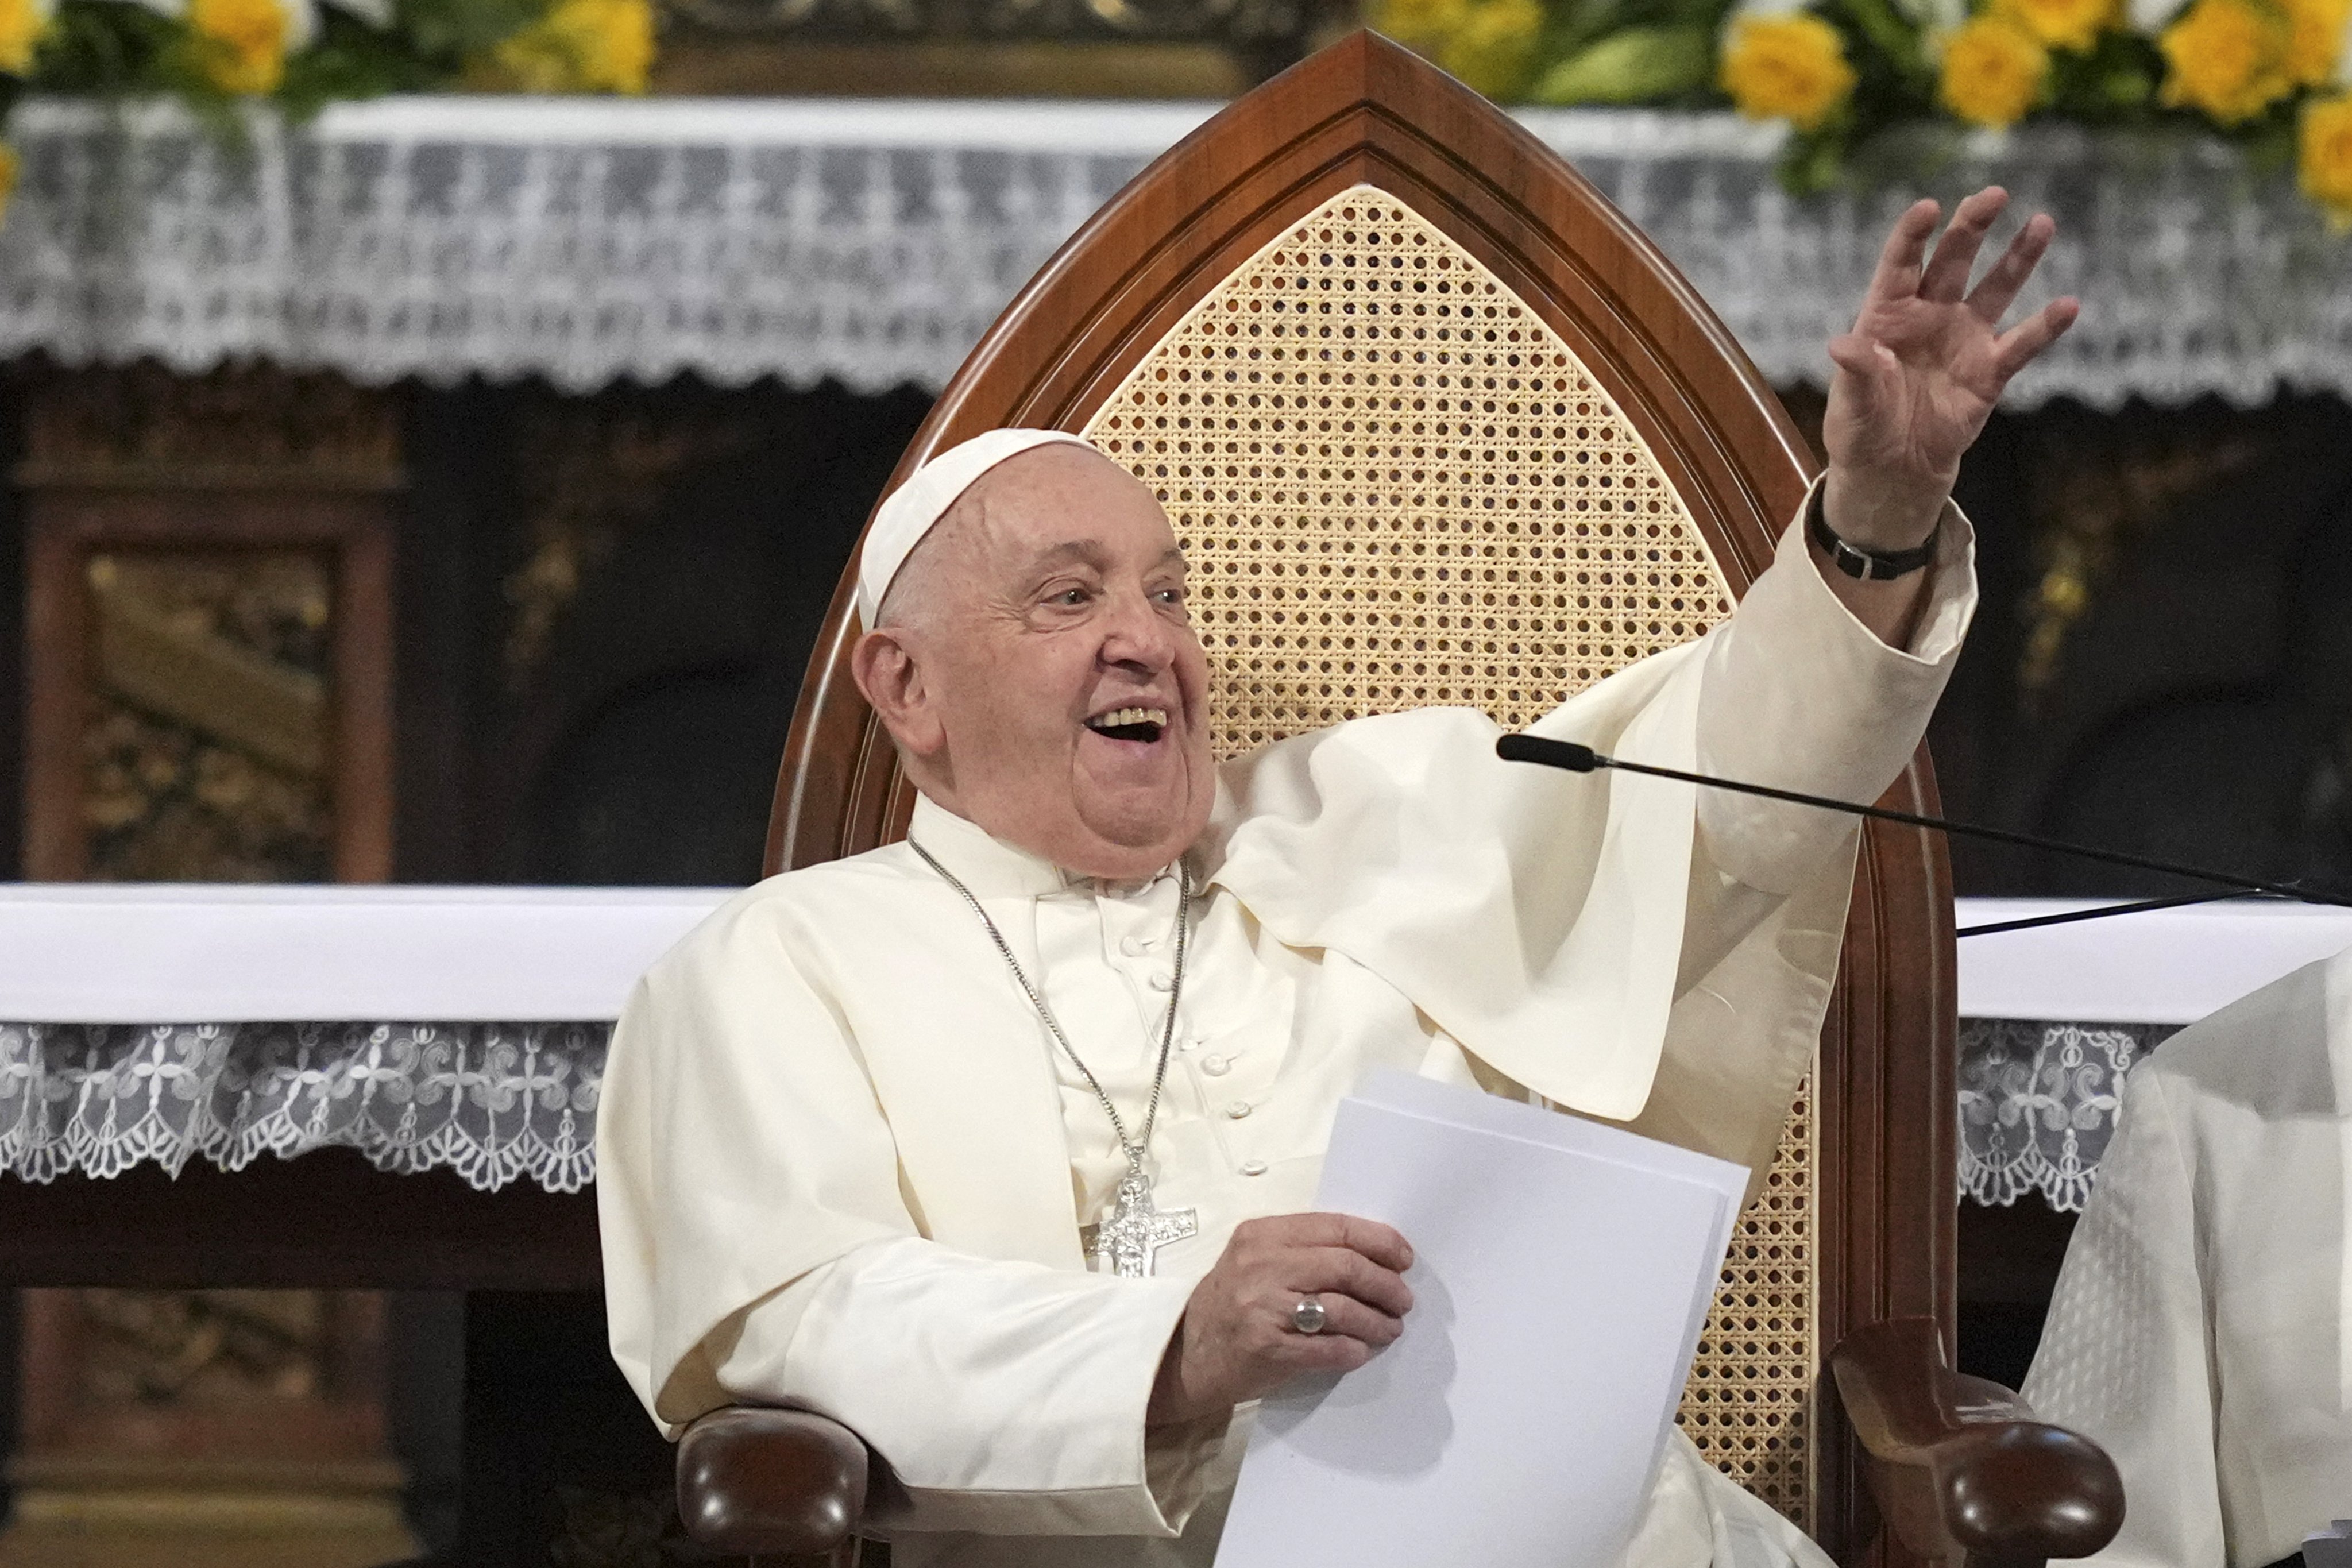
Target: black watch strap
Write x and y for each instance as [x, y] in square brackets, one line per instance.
[1878, 567]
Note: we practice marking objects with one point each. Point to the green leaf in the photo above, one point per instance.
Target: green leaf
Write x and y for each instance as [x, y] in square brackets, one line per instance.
[1887, 32]
[451, 29]
[1635, 66]
[1813, 161]
[2270, 146]
[351, 59]
[95, 47]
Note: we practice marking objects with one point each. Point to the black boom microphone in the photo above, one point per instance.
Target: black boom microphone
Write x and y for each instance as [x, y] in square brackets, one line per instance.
[1577, 759]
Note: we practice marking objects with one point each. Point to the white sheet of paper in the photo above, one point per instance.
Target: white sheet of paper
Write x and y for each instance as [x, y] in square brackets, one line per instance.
[1561, 1275]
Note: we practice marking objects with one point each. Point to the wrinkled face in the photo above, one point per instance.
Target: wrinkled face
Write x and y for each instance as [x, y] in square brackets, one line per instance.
[1038, 667]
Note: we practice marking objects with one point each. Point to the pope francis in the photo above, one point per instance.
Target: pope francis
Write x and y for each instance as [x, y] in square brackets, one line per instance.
[997, 1144]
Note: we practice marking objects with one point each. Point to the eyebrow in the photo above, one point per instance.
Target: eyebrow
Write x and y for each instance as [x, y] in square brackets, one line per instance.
[1087, 553]
[1084, 551]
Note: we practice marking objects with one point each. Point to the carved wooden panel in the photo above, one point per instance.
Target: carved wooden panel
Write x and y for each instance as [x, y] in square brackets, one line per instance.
[204, 1429]
[208, 654]
[208, 690]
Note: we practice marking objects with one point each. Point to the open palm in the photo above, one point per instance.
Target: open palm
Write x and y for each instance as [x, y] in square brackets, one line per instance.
[1923, 367]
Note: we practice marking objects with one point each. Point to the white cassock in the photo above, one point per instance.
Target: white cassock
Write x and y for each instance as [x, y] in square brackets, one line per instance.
[2202, 1331]
[843, 1167]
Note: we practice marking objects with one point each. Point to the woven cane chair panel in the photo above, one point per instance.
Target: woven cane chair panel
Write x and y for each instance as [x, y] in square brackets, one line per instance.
[1398, 485]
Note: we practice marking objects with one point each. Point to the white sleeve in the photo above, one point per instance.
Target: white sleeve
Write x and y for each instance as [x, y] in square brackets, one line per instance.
[1801, 696]
[2124, 1357]
[1627, 947]
[1006, 1398]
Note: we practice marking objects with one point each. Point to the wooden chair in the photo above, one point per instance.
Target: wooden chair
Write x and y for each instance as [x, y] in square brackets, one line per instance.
[1436, 424]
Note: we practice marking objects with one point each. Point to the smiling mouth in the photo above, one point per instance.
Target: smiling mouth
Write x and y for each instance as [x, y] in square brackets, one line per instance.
[1144, 724]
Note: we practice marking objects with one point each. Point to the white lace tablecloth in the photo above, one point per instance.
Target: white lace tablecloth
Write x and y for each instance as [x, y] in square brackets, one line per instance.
[303, 971]
[2038, 1104]
[2052, 1019]
[114, 1073]
[493, 1103]
[873, 241]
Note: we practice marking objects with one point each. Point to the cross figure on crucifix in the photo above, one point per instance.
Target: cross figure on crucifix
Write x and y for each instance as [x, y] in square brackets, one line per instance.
[1125, 1242]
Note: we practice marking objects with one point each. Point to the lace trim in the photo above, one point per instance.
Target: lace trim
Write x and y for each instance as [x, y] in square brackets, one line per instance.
[507, 1102]
[586, 243]
[2038, 1104]
[494, 1102]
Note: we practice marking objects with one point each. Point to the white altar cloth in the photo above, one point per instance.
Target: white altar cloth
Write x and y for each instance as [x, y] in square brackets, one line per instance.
[2164, 966]
[464, 1027]
[872, 241]
[188, 954]
[180, 953]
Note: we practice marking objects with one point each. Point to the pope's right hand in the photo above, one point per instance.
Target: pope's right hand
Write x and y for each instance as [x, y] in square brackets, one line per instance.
[1238, 1341]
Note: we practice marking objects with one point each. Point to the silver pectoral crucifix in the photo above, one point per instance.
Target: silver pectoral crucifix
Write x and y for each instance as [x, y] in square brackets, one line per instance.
[1125, 1242]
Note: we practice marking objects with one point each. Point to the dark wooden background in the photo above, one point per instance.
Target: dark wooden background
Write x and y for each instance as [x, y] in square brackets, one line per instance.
[2194, 700]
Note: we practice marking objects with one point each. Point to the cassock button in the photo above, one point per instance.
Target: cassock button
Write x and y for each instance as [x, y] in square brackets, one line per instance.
[1135, 946]
[1215, 1067]
[1238, 1108]
[1252, 1167]
[1162, 980]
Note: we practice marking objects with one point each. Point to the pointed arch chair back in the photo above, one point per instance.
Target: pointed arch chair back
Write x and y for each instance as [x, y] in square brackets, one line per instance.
[1436, 424]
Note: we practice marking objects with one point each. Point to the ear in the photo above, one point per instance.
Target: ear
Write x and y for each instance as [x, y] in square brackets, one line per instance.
[887, 670]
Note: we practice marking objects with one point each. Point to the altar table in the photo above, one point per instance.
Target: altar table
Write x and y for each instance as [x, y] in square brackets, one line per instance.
[443, 1045]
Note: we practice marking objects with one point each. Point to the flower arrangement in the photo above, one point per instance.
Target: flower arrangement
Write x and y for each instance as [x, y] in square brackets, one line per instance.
[217, 55]
[2268, 74]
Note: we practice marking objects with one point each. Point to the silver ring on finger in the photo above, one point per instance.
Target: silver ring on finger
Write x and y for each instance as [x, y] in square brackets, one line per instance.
[1307, 1315]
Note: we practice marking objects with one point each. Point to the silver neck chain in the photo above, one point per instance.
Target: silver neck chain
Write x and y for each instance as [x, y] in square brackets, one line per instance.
[1133, 1147]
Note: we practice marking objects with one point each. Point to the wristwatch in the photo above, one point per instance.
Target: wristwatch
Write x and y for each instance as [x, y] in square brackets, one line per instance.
[1877, 565]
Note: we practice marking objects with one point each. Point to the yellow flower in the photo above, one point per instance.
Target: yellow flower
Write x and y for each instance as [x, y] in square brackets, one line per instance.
[583, 45]
[2315, 39]
[7, 178]
[2227, 58]
[2324, 158]
[1993, 71]
[2061, 24]
[1494, 44]
[23, 24]
[1420, 25]
[241, 45]
[1790, 67]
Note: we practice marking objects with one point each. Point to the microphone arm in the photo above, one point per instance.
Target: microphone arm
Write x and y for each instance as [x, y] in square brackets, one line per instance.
[1578, 759]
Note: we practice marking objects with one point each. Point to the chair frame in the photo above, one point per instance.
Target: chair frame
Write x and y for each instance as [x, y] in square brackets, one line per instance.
[1365, 110]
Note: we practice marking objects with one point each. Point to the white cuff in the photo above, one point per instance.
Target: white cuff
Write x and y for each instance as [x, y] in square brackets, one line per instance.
[1006, 1398]
[1801, 695]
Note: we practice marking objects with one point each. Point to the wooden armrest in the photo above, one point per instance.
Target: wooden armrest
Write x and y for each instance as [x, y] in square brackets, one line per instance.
[757, 1482]
[1961, 1468]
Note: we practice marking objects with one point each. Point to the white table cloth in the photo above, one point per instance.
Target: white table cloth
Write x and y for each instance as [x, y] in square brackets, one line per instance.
[464, 1027]
[427, 1027]
[873, 241]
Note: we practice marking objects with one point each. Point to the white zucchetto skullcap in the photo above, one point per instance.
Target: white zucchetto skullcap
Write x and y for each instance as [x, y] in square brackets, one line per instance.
[917, 506]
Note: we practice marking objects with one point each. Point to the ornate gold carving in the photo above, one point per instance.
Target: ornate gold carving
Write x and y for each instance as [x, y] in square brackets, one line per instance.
[202, 1430]
[594, 471]
[1397, 485]
[242, 426]
[190, 1347]
[626, 1530]
[2090, 501]
[208, 727]
[735, 65]
[1221, 21]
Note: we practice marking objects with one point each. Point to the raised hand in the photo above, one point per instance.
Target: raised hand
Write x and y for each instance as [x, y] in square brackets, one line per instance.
[1923, 367]
[1236, 1339]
